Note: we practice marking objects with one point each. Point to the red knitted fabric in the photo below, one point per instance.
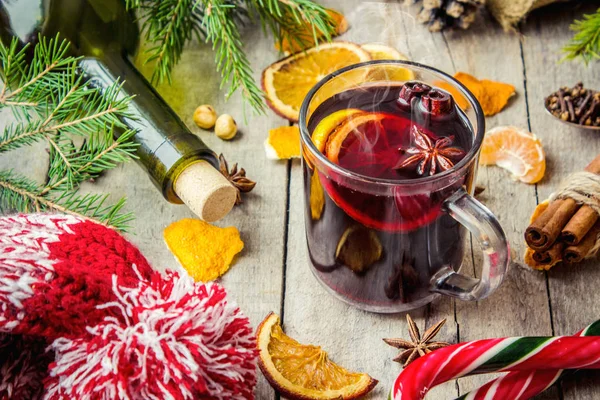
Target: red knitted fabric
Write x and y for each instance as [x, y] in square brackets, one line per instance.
[114, 328]
[86, 261]
[23, 365]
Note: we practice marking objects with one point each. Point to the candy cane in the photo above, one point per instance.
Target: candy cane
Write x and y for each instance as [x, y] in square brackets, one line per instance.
[523, 384]
[495, 355]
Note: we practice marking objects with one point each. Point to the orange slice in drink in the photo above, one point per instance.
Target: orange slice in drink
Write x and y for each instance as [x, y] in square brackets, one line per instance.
[351, 126]
[287, 82]
[516, 150]
[304, 372]
[328, 124]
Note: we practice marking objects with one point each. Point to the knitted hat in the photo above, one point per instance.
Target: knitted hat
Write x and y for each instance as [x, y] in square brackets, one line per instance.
[84, 316]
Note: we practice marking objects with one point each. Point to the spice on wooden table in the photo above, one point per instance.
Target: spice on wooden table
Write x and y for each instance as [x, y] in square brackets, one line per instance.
[577, 105]
[237, 178]
[419, 345]
[562, 230]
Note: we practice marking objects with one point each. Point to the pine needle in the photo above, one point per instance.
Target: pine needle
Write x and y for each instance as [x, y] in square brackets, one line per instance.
[52, 103]
[170, 24]
[585, 45]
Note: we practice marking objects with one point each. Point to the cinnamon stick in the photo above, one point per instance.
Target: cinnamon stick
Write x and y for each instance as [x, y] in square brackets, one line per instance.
[562, 217]
[550, 256]
[544, 231]
[578, 227]
[576, 253]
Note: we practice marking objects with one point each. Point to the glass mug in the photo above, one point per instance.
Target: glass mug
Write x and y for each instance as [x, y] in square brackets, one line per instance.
[390, 245]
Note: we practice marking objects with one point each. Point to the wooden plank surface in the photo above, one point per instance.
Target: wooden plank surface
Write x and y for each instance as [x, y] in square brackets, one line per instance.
[573, 295]
[268, 276]
[520, 306]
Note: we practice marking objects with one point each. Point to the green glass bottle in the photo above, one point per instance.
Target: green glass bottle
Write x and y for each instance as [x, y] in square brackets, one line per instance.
[107, 35]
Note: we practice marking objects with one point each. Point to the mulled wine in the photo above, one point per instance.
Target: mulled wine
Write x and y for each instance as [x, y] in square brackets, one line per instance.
[377, 245]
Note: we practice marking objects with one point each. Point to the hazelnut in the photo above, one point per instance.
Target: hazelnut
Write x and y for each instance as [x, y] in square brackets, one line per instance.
[225, 127]
[205, 116]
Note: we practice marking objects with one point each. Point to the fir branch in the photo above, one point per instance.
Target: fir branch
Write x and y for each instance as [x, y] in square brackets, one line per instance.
[288, 19]
[22, 194]
[170, 24]
[585, 45]
[53, 103]
[221, 29]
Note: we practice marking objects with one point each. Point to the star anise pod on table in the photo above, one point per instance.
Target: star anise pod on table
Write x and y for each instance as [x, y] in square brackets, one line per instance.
[419, 345]
[430, 156]
[236, 177]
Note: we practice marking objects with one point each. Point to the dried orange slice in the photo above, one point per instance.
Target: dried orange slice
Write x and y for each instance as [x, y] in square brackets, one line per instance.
[287, 82]
[383, 52]
[304, 372]
[305, 33]
[391, 73]
[516, 150]
[353, 126]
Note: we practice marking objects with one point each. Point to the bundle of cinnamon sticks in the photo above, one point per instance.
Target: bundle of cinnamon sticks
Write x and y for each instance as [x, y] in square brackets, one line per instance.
[562, 230]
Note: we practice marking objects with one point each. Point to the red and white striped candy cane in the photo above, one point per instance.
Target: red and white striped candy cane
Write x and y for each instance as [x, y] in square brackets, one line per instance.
[519, 385]
[495, 355]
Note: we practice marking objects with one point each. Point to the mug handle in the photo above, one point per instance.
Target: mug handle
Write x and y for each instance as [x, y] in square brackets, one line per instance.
[484, 227]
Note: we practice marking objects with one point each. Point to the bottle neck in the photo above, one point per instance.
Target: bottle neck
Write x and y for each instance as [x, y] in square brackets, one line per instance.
[166, 146]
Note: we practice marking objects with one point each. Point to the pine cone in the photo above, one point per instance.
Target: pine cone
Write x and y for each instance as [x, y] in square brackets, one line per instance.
[441, 14]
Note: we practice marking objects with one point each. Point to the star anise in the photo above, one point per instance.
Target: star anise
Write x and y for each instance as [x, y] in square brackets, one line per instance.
[419, 345]
[236, 177]
[430, 156]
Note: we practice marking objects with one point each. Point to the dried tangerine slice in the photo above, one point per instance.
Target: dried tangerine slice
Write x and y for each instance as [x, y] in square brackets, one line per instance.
[516, 150]
[328, 124]
[304, 372]
[287, 82]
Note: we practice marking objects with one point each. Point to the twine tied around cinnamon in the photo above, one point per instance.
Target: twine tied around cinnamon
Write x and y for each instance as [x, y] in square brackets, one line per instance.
[584, 188]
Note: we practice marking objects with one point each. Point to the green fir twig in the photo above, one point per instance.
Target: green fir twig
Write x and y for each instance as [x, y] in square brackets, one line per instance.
[585, 45]
[52, 103]
[170, 24]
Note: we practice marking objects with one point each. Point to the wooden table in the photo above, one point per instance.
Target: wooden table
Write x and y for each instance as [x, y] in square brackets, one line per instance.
[272, 272]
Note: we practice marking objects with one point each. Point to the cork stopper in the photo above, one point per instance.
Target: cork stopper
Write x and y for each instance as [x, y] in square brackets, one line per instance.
[205, 191]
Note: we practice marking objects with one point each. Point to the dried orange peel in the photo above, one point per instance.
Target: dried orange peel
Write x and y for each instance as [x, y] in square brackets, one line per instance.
[304, 372]
[287, 82]
[492, 96]
[205, 251]
[283, 143]
[515, 150]
[305, 33]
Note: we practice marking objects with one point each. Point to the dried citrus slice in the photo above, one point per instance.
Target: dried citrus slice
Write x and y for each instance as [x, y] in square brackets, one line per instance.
[383, 52]
[515, 150]
[287, 82]
[392, 73]
[304, 372]
[305, 33]
[328, 124]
